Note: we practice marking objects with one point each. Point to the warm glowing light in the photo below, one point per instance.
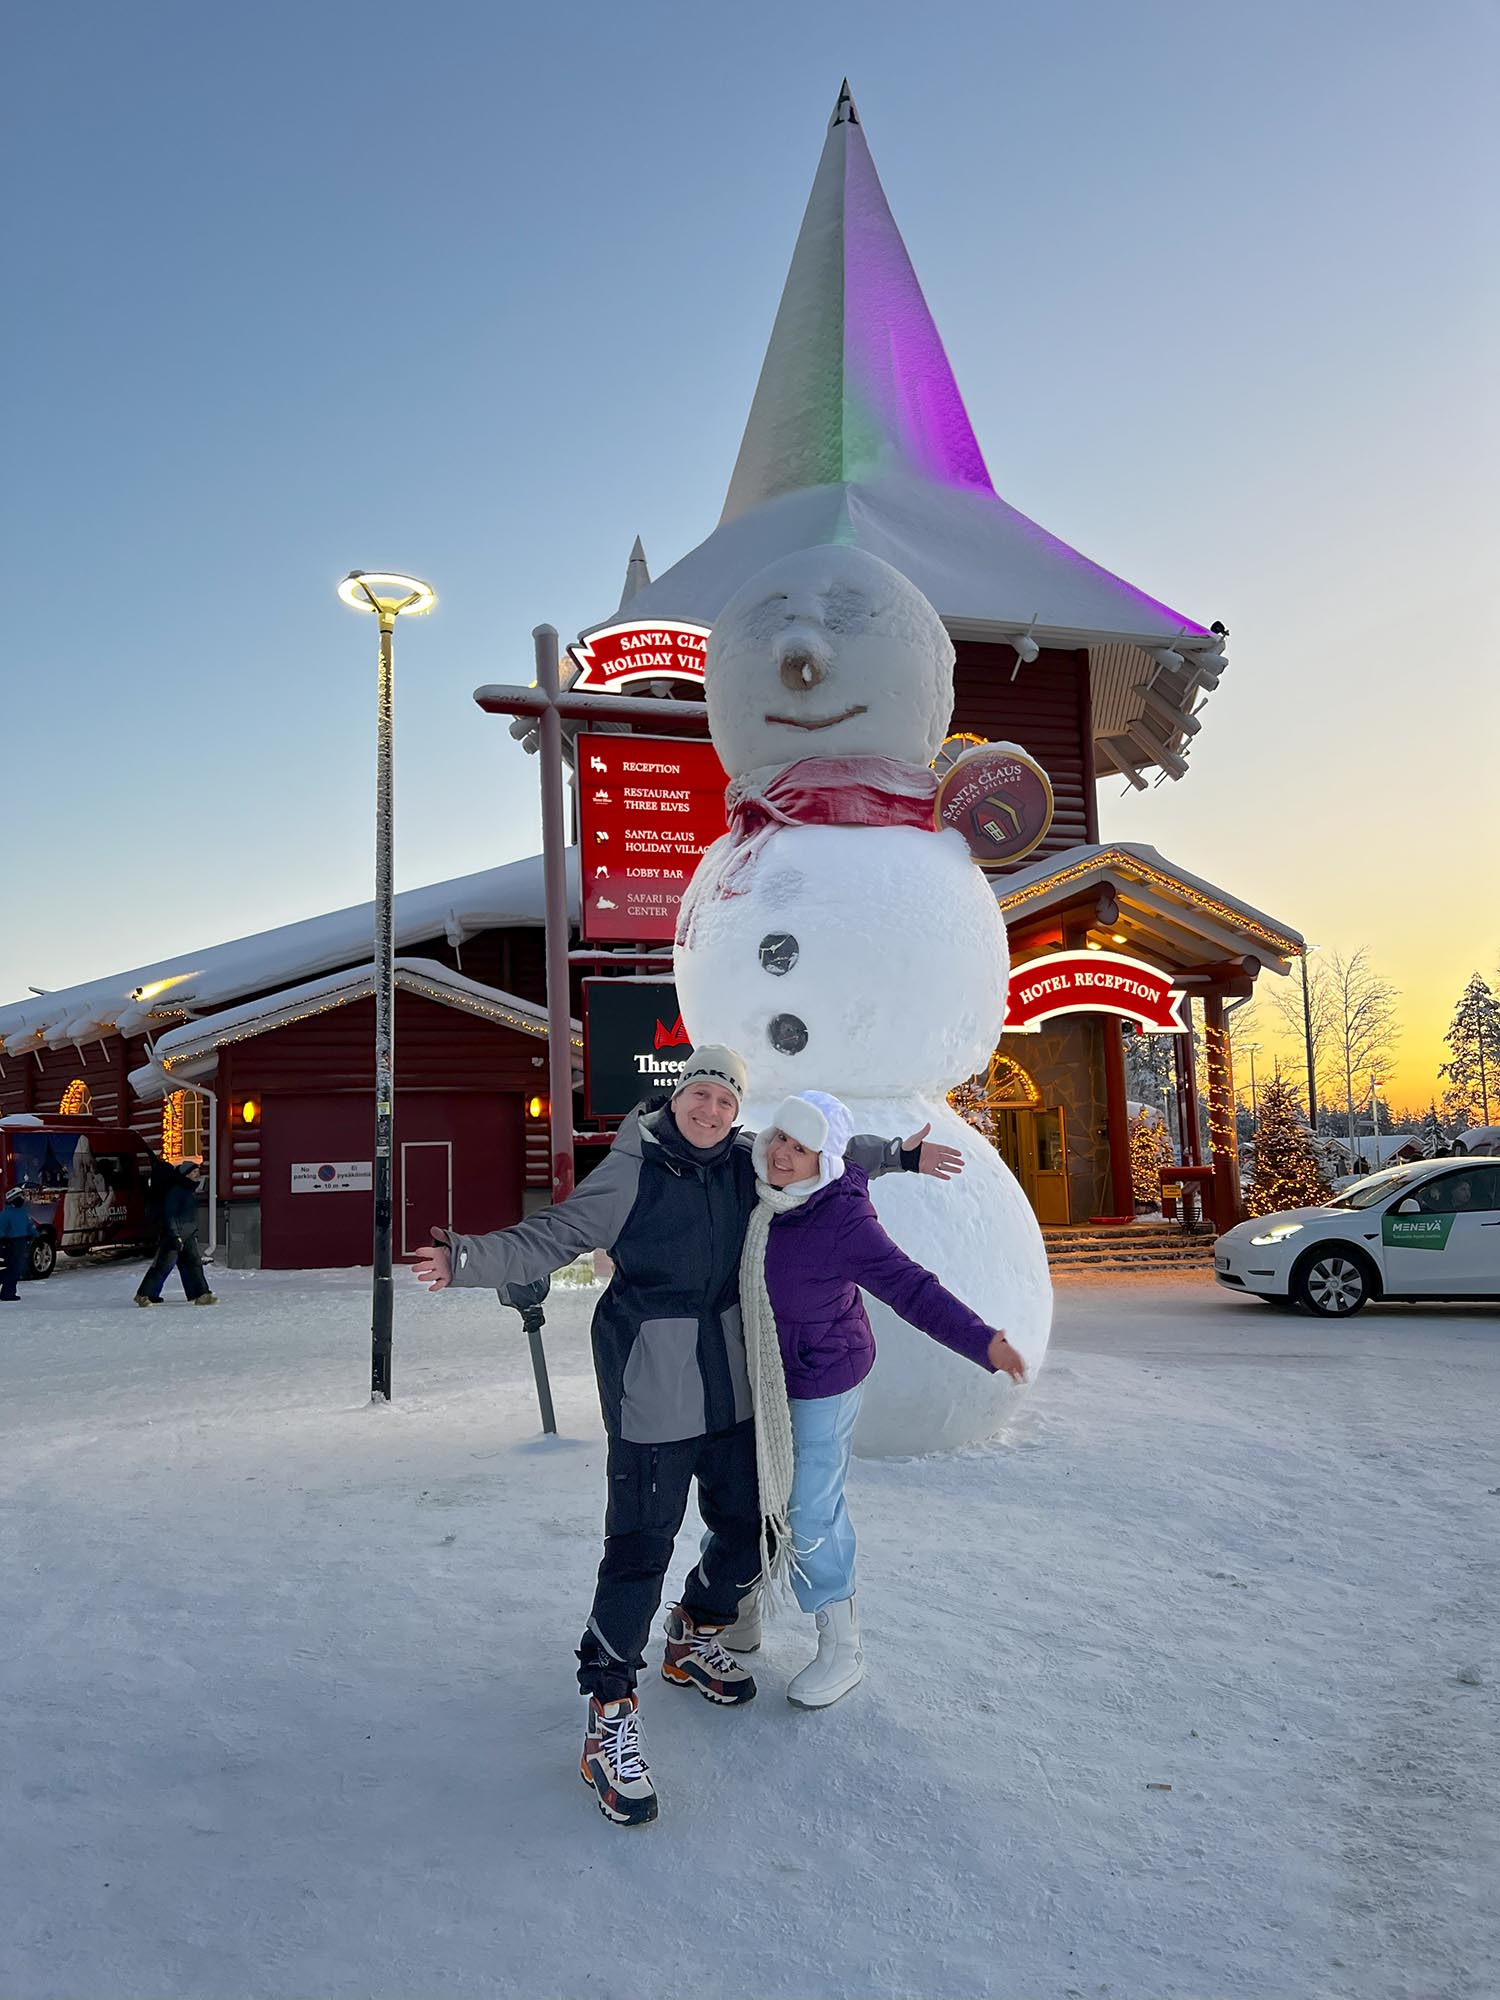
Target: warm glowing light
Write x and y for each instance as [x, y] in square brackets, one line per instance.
[160, 986]
[1118, 937]
[249, 1111]
[1094, 944]
[535, 1106]
[76, 1098]
[386, 590]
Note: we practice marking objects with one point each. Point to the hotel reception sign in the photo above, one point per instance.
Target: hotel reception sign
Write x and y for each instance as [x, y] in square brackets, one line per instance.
[1092, 982]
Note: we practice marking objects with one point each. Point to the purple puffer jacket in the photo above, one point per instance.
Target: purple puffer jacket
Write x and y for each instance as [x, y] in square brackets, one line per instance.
[817, 1257]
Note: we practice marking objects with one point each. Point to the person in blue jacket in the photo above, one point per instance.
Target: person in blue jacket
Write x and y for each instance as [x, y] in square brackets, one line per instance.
[16, 1232]
[178, 1241]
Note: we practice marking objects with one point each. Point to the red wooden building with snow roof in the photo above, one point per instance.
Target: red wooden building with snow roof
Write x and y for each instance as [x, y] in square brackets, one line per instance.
[259, 1053]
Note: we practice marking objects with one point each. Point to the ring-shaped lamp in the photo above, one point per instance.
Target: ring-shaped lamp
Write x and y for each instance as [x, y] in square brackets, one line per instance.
[386, 591]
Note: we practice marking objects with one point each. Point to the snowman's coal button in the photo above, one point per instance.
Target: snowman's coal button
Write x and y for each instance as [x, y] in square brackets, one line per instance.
[788, 1035]
[779, 951]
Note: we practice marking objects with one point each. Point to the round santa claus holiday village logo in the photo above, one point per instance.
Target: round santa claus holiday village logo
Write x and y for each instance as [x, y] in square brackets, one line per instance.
[999, 798]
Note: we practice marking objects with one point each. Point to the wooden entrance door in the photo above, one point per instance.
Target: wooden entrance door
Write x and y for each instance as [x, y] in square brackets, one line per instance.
[1033, 1145]
[426, 1191]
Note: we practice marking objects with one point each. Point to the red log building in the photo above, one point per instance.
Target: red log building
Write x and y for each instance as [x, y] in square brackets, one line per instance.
[259, 1053]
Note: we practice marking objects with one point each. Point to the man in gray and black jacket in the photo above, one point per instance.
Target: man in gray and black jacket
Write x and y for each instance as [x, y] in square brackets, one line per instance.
[669, 1203]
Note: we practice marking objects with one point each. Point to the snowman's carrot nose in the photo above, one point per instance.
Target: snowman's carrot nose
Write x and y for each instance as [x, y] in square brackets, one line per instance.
[800, 670]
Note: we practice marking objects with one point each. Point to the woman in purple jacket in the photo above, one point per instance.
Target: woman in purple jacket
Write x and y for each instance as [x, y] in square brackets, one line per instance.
[813, 1240]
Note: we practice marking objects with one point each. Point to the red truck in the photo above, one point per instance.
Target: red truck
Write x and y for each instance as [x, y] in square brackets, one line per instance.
[86, 1184]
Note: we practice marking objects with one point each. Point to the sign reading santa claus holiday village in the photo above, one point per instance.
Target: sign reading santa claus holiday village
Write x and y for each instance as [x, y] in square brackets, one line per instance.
[648, 806]
[634, 1043]
[999, 798]
[1092, 982]
[619, 656]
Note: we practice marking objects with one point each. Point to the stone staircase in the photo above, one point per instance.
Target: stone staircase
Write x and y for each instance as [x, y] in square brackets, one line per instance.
[1134, 1246]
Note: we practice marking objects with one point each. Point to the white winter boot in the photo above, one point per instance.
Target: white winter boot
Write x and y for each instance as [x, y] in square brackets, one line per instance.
[840, 1664]
[743, 1636]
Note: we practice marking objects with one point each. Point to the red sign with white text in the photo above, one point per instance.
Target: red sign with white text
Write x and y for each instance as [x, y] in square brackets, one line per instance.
[1092, 982]
[648, 806]
[619, 656]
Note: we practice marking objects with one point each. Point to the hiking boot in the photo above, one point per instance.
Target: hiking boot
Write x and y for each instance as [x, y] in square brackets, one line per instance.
[840, 1664]
[695, 1658]
[206, 1299]
[612, 1762]
[744, 1635]
[144, 1299]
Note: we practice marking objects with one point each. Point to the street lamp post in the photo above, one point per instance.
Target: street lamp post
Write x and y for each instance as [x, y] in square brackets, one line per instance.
[1312, 1068]
[387, 594]
[1252, 1049]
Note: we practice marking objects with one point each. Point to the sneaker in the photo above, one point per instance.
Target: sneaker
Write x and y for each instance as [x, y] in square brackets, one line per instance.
[612, 1762]
[144, 1299]
[206, 1299]
[695, 1658]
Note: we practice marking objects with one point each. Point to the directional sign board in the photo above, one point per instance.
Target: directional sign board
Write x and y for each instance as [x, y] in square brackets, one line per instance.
[647, 808]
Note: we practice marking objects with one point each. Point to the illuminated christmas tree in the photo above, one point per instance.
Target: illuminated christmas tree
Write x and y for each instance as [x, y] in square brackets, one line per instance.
[1150, 1151]
[1286, 1169]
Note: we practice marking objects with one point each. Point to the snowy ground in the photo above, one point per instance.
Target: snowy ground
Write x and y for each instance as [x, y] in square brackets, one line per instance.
[288, 1700]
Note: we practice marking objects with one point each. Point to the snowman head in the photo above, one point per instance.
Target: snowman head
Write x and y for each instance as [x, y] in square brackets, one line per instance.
[827, 653]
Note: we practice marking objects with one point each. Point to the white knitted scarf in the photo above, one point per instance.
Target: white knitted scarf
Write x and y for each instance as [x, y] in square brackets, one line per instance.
[773, 1416]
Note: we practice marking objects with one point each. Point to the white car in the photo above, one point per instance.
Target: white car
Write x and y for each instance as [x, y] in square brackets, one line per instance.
[1426, 1230]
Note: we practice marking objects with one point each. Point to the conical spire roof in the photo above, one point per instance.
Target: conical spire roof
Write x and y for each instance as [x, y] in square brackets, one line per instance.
[858, 435]
[637, 575]
[855, 385]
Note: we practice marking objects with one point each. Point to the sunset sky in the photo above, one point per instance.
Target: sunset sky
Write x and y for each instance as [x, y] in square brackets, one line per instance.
[483, 293]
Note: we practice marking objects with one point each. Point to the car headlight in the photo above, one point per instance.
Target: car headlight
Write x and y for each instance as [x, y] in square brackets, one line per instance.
[1279, 1234]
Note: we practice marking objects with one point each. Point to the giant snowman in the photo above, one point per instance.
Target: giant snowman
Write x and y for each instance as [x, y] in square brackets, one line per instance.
[840, 943]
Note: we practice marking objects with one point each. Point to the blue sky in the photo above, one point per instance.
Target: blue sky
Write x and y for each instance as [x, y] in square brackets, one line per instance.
[483, 293]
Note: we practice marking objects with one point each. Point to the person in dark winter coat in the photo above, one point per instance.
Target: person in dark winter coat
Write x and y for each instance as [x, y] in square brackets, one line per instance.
[669, 1203]
[176, 1190]
[813, 1242]
[16, 1232]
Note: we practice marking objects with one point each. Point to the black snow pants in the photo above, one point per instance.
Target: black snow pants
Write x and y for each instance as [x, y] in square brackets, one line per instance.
[648, 1496]
[182, 1251]
[13, 1251]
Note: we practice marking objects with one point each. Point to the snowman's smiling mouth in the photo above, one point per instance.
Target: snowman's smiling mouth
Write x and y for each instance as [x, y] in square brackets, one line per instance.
[818, 722]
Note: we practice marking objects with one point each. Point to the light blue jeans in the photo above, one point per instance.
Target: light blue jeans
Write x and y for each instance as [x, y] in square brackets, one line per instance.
[822, 1533]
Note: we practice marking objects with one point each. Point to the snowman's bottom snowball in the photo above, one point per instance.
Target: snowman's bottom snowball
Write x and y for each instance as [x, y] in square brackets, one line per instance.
[979, 1236]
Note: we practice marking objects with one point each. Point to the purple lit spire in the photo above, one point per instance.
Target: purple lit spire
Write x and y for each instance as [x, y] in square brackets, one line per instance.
[855, 384]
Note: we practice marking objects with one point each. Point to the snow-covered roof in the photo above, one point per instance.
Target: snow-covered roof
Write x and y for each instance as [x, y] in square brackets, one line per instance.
[858, 434]
[193, 1049]
[1235, 924]
[194, 982]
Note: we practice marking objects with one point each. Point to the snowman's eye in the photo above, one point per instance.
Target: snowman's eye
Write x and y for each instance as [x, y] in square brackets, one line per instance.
[845, 610]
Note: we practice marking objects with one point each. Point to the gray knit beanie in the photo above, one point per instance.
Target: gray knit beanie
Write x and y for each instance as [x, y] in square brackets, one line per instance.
[713, 1064]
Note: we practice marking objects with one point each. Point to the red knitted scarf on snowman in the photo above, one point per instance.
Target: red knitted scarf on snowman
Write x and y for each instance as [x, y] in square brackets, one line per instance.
[815, 791]
[832, 791]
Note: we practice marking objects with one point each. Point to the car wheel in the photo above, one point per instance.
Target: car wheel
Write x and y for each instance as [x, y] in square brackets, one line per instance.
[1332, 1283]
[41, 1259]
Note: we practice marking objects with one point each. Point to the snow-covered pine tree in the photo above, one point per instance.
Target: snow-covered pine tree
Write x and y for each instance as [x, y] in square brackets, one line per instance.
[1433, 1137]
[1286, 1171]
[1474, 1038]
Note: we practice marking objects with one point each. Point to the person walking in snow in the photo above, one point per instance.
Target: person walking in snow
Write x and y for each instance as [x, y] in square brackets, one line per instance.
[16, 1232]
[812, 1242]
[176, 1188]
[669, 1203]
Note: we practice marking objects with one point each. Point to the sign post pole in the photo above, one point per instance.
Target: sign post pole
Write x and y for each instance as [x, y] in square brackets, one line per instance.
[555, 880]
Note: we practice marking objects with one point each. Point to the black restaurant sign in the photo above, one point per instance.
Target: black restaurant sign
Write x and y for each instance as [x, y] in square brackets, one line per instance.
[634, 1043]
